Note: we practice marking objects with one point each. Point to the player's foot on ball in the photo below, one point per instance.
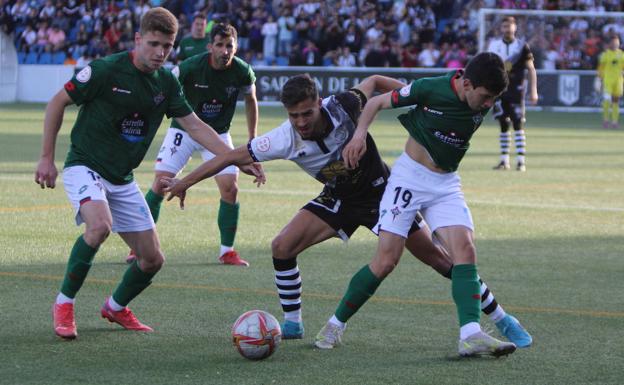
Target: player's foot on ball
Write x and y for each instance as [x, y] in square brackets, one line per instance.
[131, 257]
[124, 318]
[292, 330]
[329, 337]
[64, 323]
[232, 258]
[481, 343]
[521, 166]
[511, 328]
[502, 165]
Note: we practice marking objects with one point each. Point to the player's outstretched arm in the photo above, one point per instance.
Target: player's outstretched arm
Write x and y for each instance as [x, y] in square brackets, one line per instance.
[378, 83]
[239, 156]
[203, 134]
[46, 172]
[356, 147]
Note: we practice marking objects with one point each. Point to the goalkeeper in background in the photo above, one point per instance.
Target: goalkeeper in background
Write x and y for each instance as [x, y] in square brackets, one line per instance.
[610, 66]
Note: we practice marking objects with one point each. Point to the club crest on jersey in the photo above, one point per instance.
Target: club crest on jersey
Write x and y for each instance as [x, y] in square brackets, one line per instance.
[84, 75]
[477, 119]
[263, 144]
[133, 128]
[231, 91]
[341, 134]
[159, 98]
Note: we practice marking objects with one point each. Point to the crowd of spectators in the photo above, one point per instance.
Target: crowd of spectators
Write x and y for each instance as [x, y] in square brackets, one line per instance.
[381, 33]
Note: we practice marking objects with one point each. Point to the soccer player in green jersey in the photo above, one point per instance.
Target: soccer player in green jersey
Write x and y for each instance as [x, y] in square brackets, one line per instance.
[447, 111]
[197, 42]
[211, 82]
[122, 98]
[313, 137]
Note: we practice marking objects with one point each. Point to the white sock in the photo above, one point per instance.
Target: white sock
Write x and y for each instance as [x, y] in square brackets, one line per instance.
[469, 329]
[294, 316]
[62, 298]
[114, 305]
[225, 249]
[335, 321]
[497, 314]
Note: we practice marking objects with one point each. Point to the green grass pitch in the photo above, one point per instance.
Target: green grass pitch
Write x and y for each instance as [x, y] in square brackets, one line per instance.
[550, 244]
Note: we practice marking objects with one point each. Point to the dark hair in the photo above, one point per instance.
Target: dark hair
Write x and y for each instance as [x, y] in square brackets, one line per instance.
[159, 19]
[297, 89]
[223, 30]
[199, 15]
[487, 70]
[509, 19]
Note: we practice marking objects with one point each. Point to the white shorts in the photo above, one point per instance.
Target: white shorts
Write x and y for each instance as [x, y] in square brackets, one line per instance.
[412, 188]
[126, 202]
[178, 147]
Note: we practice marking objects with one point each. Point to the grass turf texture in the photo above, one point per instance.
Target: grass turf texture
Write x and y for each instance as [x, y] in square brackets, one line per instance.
[549, 243]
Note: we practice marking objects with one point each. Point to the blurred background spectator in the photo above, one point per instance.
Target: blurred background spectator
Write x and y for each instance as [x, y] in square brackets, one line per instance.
[409, 33]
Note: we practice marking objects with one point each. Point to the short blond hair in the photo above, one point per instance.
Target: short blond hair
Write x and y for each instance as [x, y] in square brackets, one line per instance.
[159, 19]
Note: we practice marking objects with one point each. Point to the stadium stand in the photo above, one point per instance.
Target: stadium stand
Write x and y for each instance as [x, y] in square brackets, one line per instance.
[439, 33]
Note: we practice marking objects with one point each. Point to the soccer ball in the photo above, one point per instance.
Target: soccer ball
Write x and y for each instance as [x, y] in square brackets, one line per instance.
[256, 334]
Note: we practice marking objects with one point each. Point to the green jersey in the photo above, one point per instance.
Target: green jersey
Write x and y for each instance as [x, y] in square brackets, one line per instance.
[121, 109]
[190, 46]
[439, 121]
[212, 93]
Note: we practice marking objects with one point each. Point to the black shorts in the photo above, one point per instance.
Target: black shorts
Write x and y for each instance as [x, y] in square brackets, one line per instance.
[345, 217]
[509, 108]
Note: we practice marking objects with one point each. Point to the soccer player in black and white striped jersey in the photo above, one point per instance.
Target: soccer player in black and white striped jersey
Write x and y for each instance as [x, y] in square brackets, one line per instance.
[509, 108]
[313, 137]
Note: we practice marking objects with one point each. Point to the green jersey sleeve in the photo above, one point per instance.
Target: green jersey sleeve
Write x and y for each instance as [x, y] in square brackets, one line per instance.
[250, 79]
[87, 84]
[409, 95]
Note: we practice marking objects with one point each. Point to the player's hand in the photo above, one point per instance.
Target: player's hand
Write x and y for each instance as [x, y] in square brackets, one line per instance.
[354, 150]
[257, 171]
[175, 188]
[533, 98]
[46, 173]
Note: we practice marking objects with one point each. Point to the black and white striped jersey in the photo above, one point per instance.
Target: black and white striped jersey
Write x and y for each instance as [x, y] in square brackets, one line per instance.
[322, 158]
[515, 55]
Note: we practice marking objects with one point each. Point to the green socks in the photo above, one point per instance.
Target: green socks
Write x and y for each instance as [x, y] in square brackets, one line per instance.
[227, 221]
[154, 202]
[132, 284]
[466, 293]
[361, 288]
[77, 267]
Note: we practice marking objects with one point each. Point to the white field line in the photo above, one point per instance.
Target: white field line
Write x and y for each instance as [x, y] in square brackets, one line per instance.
[314, 193]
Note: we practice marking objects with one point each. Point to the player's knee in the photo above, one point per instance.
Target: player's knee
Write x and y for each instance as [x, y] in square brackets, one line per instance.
[280, 249]
[152, 262]
[383, 268]
[229, 193]
[96, 233]
[465, 252]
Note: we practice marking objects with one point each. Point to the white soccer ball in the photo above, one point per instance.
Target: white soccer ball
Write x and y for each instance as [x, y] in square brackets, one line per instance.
[256, 334]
